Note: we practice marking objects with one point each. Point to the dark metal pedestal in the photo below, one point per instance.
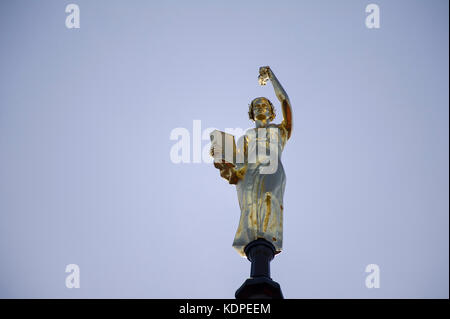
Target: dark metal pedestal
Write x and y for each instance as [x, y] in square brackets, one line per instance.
[259, 286]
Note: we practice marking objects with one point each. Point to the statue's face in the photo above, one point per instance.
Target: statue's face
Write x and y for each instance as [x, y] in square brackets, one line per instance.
[261, 109]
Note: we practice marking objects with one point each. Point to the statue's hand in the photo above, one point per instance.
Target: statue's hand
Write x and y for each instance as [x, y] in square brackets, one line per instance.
[265, 73]
[264, 69]
[229, 174]
[226, 172]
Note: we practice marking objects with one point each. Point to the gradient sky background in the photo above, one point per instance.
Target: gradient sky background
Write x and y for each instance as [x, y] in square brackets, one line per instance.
[85, 171]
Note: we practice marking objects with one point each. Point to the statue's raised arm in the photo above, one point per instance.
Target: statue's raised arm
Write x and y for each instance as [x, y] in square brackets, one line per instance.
[266, 73]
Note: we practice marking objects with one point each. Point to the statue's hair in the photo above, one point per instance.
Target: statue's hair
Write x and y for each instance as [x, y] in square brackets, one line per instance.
[250, 109]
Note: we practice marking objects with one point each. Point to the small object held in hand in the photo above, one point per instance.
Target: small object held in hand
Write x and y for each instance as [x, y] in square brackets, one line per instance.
[264, 75]
[223, 149]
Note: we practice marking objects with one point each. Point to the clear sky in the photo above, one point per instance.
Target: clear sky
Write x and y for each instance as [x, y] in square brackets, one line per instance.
[85, 171]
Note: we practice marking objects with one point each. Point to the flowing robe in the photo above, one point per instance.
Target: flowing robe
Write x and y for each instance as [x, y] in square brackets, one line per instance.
[260, 194]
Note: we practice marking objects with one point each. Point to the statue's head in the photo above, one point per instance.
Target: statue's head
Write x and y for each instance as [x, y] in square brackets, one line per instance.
[261, 109]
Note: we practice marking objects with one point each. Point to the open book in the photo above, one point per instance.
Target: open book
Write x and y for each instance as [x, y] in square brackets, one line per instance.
[224, 149]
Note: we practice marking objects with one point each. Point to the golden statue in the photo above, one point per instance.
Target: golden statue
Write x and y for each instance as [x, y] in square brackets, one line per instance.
[260, 192]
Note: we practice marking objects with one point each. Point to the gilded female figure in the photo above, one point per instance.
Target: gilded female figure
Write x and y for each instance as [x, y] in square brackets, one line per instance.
[260, 192]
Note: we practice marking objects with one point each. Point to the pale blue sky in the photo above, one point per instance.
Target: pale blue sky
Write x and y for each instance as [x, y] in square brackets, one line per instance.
[85, 171]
